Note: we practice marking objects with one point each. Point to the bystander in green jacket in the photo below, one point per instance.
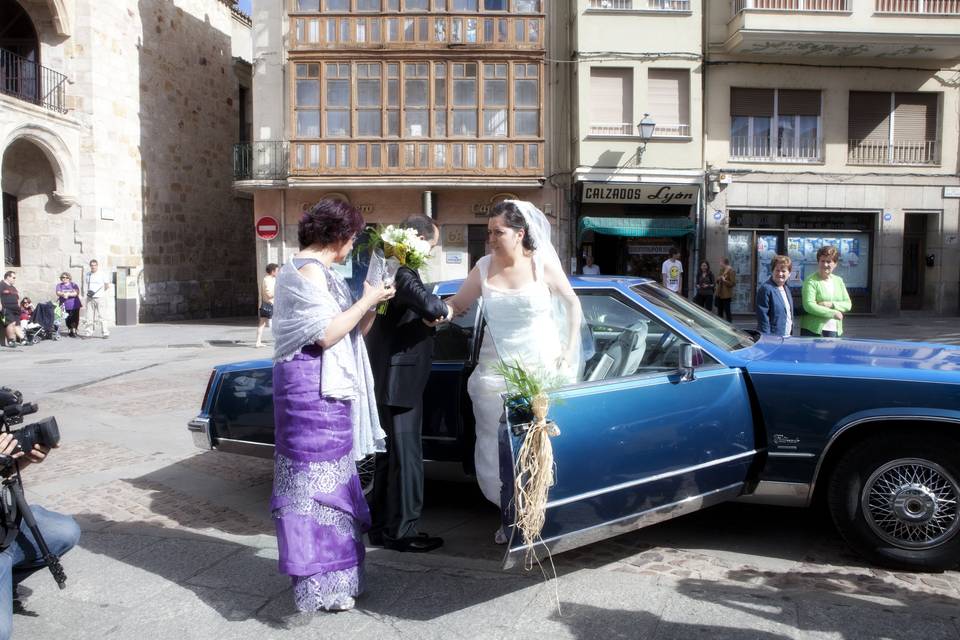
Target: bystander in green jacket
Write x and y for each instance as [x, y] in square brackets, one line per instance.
[817, 290]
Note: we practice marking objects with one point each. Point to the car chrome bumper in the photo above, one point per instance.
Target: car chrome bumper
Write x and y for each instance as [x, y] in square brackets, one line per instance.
[199, 428]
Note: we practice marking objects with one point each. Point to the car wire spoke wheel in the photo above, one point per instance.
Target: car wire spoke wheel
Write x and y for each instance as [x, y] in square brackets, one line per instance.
[365, 470]
[911, 503]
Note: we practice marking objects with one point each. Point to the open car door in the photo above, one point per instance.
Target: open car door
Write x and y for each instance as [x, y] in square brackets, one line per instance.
[641, 440]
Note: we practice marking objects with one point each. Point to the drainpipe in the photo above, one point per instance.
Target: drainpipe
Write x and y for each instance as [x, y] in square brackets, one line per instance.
[427, 203]
[283, 227]
[698, 227]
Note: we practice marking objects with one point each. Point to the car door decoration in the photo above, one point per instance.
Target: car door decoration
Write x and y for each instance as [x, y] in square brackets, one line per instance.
[527, 403]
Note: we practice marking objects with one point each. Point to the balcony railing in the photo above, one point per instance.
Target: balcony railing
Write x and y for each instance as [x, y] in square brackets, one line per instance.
[386, 158]
[640, 5]
[827, 6]
[762, 149]
[900, 152]
[376, 31]
[31, 82]
[921, 7]
[612, 129]
[263, 160]
[671, 131]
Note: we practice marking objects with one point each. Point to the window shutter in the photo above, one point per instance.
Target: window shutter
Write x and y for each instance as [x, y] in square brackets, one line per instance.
[611, 95]
[668, 96]
[751, 102]
[797, 102]
[869, 117]
[915, 117]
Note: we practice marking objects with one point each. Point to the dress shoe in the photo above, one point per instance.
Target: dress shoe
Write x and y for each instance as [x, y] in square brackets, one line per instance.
[414, 544]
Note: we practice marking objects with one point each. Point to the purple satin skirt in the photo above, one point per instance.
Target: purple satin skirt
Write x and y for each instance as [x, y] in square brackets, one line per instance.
[317, 503]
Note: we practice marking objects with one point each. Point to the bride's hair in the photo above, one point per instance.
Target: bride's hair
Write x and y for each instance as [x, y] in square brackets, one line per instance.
[514, 219]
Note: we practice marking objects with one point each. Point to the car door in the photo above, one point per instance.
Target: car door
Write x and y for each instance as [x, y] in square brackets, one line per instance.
[448, 433]
[640, 442]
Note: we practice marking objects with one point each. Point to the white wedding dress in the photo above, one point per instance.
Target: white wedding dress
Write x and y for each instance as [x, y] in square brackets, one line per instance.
[521, 326]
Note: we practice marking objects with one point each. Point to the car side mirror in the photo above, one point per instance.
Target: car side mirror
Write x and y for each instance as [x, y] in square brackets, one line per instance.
[689, 354]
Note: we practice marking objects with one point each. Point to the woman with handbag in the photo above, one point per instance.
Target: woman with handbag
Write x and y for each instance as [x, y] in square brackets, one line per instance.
[265, 311]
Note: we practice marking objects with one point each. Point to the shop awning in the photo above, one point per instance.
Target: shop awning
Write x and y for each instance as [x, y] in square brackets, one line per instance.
[637, 227]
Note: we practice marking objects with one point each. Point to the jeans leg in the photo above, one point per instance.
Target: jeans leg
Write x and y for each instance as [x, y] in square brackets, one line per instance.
[6, 594]
[60, 532]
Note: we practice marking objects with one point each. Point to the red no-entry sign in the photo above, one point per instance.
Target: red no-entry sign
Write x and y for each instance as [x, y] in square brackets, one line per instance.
[267, 228]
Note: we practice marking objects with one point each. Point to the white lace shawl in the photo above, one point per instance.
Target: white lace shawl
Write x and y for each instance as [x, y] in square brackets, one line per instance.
[302, 309]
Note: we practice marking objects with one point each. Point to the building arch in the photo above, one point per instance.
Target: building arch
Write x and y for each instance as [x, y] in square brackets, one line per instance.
[57, 154]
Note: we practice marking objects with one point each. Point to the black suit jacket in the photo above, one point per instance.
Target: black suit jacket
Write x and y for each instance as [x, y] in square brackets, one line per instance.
[401, 345]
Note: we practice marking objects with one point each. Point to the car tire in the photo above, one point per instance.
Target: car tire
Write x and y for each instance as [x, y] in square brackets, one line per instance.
[896, 501]
[365, 470]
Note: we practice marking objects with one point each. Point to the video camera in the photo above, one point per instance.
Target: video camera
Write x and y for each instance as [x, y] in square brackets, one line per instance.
[13, 505]
[44, 432]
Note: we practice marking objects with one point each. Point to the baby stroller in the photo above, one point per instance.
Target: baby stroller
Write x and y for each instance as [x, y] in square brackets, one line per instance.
[42, 324]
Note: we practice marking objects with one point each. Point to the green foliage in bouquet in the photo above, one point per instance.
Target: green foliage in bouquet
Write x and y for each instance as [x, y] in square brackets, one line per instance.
[523, 385]
[403, 244]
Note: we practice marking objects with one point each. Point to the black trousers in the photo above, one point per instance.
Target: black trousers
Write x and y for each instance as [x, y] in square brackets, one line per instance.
[822, 334]
[705, 300]
[723, 308]
[398, 475]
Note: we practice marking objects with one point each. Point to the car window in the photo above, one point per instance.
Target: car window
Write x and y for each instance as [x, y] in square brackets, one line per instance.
[454, 340]
[706, 324]
[627, 341]
[244, 404]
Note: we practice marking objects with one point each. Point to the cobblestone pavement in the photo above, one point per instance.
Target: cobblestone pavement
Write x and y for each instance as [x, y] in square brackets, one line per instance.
[177, 543]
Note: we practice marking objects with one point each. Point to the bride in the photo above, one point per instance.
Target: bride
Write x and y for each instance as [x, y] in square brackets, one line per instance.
[532, 316]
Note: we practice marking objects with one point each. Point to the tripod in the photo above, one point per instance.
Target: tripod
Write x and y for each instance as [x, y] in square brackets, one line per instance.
[50, 560]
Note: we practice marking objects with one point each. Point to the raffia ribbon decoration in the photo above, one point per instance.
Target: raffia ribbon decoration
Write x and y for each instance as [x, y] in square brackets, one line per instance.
[533, 476]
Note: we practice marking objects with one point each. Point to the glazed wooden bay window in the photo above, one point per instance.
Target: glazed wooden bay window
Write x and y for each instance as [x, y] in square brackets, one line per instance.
[436, 6]
[369, 25]
[424, 117]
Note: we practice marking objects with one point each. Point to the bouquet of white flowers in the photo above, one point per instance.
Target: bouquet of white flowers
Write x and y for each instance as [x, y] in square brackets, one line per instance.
[394, 247]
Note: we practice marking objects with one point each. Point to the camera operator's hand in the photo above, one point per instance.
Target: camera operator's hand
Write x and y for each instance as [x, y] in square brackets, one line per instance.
[37, 454]
[7, 445]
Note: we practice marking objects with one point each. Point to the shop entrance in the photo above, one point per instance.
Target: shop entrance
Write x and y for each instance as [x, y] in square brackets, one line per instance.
[642, 257]
[914, 252]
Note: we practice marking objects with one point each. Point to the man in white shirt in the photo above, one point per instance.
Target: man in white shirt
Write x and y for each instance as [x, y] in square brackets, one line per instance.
[590, 269]
[672, 271]
[95, 284]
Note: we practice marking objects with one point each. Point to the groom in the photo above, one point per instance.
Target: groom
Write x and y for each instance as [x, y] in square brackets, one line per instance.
[400, 345]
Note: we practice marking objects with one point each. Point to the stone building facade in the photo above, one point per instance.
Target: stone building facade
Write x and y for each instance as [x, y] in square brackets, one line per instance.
[116, 130]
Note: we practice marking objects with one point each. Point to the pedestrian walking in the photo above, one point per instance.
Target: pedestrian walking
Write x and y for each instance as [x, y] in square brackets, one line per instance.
[68, 299]
[726, 281]
[96, 284]
[825, 297]
[265, 310]
[672, 271]
[706, 285]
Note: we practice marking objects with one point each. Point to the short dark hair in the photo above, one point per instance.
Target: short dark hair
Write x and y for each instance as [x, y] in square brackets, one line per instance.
[674, 251]
[273, 266]
[781, 259]
[8, 274]
[94, 262]
[329, 222]
[828, 251]
[514, 219]
[423, 225]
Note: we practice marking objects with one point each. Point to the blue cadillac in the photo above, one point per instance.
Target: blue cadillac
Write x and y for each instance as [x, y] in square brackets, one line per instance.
[679, 410]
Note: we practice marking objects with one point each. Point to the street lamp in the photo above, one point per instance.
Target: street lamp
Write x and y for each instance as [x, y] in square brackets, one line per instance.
[645, 127]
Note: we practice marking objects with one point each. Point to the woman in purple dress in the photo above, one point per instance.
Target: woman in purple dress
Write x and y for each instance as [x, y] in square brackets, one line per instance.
[68, 297]
[324, 410]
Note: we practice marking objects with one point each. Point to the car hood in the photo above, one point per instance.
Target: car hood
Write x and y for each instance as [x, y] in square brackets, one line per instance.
[864, 358]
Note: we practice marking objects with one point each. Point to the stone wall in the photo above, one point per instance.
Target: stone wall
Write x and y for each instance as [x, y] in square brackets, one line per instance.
[198, 242]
